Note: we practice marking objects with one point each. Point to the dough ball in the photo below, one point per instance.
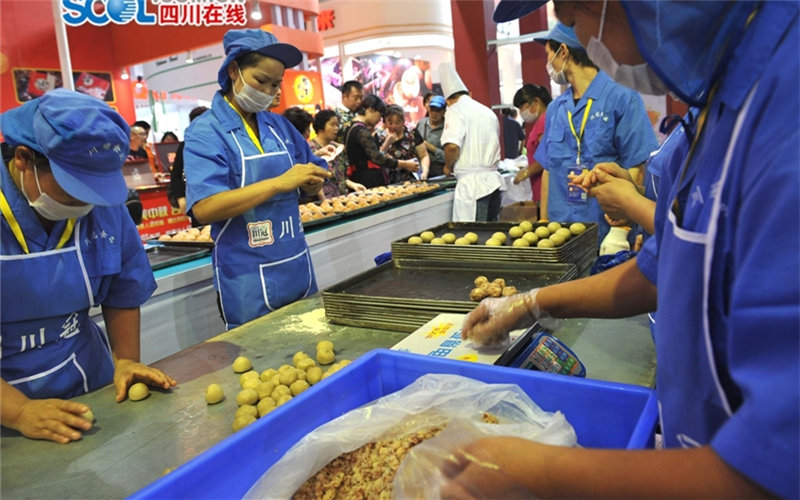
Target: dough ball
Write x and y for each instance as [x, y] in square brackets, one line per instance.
[265, 406]
[242, 422]
[324, 345]
[245, 410]
[478, 294]
[515, 232]
[462, 242]
[481, 280]
[298, 386]
[501, 282]
[249, 374]
[286, 377]
[545, 243]
[521, 242]
[297, 357]
[138, 391]
[415, 240]
[493, 242]
[276, 379]
[557, 239]
[438, 241]
[241, 364]
[577, 228]
[494, 290]
[305, 364]
[500, 236]
[283, 400]
[247, 397]
[509, 291]
[251, 383]
[449, 238]
[542, 232]
[214, 394]
[280, 391]
[301, 374]
[325, 357]
[283, 368]
[565, 233]
[267, 374]
[265, 389]
[531, 237]
[88, 415]
[472, 237]
[553, 227]
[344, 363]
[314, 375]
[427, 236]
[526, 226]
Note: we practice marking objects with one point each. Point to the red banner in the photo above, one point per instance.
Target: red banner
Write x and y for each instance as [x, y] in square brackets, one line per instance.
[158, 216]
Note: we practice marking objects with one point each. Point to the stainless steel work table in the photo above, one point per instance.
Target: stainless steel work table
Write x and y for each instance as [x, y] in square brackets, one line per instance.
[133, 443]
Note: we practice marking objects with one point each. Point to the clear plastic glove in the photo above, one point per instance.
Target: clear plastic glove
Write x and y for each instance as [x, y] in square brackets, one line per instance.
[615, 241]
[489, 323]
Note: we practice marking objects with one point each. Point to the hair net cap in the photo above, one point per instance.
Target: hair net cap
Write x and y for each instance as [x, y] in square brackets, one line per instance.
[85, 141]
[508, 10]
[451, 82]
[239, 42]
[438, 101]
[561, 34]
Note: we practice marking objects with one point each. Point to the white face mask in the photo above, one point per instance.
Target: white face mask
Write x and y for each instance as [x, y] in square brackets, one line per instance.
[527, 116]
[251, 99]
[557, 76]
[639, 78]
[49, 208]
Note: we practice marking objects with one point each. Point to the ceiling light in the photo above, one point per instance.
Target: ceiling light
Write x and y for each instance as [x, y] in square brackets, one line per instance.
[125, 75]
[255, 14]
[189, 59]
[139, 83]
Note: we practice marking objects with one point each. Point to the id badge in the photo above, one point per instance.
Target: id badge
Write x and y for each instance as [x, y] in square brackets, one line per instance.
[574, 193]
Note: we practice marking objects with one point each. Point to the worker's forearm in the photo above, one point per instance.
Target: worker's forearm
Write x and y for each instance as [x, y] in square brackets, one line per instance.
[642, 211]
[11, 402]
[619, 292]
[451, 154]
[229, 204]
[122, 326]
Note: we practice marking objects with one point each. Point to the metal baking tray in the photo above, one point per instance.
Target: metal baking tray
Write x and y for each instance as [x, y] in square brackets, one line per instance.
[404, 294]
[580, 250]
[183, 244]
[161, 256]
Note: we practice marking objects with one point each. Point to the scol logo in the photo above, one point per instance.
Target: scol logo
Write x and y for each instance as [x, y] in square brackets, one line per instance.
[77, 12]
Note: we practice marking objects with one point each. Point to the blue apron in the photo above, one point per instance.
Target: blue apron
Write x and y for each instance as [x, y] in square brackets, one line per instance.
[50, 347]
[692, 399]
[261, 259]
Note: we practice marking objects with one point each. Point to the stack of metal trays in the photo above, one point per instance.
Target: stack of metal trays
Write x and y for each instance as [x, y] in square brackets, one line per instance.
[404, 294]
[580, 250]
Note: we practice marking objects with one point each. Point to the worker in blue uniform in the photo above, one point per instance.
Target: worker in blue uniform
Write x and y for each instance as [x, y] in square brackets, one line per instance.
[595, 120]
[726, 265]
[244, 167]
[67, 243]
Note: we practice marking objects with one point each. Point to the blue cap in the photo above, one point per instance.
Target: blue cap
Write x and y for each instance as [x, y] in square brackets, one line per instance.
[438, 101]
[508, 10]
[240, 42]
[85, 141]
[560, 34]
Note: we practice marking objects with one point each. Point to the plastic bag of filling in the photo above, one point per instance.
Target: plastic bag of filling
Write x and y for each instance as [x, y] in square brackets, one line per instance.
[433, 399]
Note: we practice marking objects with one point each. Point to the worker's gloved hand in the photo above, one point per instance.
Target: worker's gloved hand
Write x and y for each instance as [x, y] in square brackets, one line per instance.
[615, 241]
[489, 323]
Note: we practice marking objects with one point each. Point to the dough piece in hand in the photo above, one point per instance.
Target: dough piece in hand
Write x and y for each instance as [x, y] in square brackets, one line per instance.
[242, 364]
[88, 415]
[314, 375]
[214, 394]
[247, 397]
[298, 386]
[325, 357]
[138, 391]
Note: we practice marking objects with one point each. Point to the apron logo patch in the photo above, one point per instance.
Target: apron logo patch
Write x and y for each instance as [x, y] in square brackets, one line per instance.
[260, 233]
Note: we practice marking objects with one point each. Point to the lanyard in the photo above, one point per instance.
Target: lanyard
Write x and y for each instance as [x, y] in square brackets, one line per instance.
[583, 126]
[247, 127]
[5, 208]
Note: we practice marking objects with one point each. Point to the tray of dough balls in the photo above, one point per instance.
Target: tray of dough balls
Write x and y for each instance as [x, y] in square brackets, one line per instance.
[404, 294]
[192, 237]
[525, 241]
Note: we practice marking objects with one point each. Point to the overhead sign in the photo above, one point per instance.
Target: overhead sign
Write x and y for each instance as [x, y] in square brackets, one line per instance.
[164, 12]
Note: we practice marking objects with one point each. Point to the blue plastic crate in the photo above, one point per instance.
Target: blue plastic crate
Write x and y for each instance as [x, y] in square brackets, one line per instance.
[604, 415]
